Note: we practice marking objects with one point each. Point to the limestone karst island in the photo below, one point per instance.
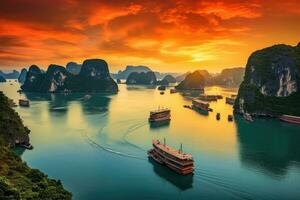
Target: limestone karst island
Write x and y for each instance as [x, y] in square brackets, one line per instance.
[149, 100]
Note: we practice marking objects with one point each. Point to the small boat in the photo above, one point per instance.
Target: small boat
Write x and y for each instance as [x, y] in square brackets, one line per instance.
[230, 100]
[218, 116]
[162, 87]
[290, 119]
[177, 160]
[87, 97]
[230, 118]
[198, 104]
[219, 96]
[173, 91]
[248, 117]
[163, 114]
[162, 93]
[23, 103]
[187, 106]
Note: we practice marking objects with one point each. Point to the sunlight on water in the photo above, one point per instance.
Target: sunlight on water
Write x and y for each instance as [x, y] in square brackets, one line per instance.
[97, 146]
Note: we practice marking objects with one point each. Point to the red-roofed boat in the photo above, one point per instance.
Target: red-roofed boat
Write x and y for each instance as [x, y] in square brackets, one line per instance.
[176, 160]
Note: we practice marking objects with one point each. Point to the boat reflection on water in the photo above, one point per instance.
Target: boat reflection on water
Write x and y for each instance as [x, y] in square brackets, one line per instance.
[268, 145]
[181, 182]
[160, 124]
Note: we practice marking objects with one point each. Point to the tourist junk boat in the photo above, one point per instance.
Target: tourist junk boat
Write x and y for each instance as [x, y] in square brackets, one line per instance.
[205, 97]
[198, 104]
[290, 119]
[176, 160]
[161, 114]
[23, 103]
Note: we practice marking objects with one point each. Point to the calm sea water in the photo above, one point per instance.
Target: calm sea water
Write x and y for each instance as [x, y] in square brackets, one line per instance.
[97, 147]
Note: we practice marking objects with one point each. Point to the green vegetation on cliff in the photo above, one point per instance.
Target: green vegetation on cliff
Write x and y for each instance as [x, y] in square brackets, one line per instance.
[271, 84]
[17, 180]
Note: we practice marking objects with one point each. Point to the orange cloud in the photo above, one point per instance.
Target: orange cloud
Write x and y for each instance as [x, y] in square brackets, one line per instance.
[170, 35]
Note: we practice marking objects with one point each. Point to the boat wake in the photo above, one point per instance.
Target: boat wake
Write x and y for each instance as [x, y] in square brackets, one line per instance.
[221, 183]
[110, 150]
[130, 130]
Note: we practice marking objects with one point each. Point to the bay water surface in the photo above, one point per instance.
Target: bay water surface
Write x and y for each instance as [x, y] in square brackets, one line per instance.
[97, 146]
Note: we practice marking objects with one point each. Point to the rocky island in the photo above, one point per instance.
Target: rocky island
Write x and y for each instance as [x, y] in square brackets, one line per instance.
[142, 78]
[271, 85]
[22, 76]
[10, 75]
[2, 79]
[93, 77]
[17, 180]
[193, 81]
[167, 80]
[231, 77]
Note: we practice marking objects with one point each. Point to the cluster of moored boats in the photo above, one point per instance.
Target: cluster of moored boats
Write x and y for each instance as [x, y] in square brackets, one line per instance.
[177, 160]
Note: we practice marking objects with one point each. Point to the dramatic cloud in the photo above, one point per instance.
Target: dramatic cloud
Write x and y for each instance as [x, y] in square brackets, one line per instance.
[169, 35]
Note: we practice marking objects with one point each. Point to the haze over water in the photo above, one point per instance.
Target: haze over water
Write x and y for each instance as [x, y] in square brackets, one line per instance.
[98, 147]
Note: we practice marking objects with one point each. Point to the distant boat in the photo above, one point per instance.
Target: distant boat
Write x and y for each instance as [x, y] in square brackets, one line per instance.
[160, 115]
[87, 97]
[173, 91]
[178, 161]
[198, 104]
[230, 118]
[290, 119]
[162, 92]
[162, 87]
[248, 117]
[23, 103]
[218, 116]
[230, 100]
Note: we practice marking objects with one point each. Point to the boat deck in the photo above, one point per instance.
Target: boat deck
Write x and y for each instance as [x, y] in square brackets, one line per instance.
[172, 151]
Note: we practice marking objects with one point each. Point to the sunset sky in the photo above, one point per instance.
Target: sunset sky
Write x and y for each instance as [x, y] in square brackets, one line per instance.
[167, 35]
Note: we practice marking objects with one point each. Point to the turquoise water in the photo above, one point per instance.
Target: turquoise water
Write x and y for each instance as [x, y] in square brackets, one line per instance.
[97, 147]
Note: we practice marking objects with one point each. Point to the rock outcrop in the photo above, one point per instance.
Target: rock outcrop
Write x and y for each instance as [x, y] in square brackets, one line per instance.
[34, 79]
[129, 69]
[93, 77]
[167, 80]
[73, 67]
[271, 85]
[11, 75]
[142, 78]
[2, 79]
[22, 76]
[193, 81]
[228, 77]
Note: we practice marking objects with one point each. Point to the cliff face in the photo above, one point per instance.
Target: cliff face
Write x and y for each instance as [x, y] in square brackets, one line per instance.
[2, 79]
[22, 76]
[272, 82]
[34, 79]
[142, 78]
[17, 180]
[194, 80]
[93, 77]
[12, 130]
[228, 77]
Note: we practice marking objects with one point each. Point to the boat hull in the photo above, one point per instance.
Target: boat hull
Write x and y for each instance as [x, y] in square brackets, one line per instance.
[290, 119]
